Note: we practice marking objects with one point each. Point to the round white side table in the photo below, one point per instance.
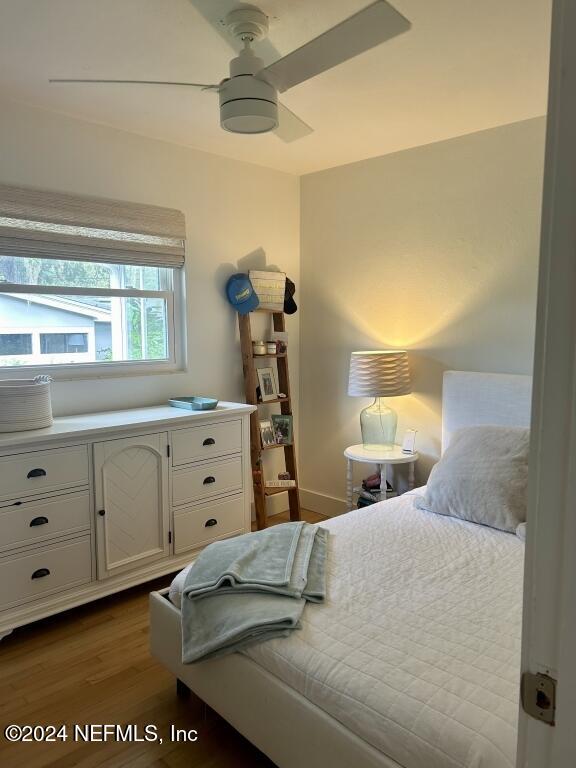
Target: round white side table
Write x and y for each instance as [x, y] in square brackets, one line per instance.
[382, 459]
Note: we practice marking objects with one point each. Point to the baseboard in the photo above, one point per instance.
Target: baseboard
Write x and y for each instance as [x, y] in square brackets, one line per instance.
[329, 506]
[275, 505]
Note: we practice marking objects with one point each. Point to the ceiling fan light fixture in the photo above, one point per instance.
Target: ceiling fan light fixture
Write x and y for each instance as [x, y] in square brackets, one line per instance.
[249, 116]
[248, 105]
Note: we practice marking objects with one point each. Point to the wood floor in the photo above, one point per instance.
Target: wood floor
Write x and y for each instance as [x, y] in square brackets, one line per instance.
[91, 665]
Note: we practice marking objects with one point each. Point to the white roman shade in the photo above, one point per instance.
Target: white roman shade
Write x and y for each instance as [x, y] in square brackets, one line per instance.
[380, 373]
[54, 225]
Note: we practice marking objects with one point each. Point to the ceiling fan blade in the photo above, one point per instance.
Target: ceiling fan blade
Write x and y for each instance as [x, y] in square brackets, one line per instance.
[290, 126]
[131, 82]
[373, 25]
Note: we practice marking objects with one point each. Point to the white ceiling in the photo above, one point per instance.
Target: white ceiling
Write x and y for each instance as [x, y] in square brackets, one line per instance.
[466, 65]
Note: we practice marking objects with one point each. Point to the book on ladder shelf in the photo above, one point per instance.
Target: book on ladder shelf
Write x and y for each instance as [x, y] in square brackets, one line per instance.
[281, 429]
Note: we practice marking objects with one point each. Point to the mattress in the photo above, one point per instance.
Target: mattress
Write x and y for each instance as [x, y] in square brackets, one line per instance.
[417, 648]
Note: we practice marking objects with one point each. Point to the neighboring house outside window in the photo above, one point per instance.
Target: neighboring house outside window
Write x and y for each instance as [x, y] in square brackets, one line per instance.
[39, 330]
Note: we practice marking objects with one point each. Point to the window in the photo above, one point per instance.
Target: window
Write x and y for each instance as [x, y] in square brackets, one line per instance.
[78, 312]
[54, 343]
[97, 296]
[15, 344]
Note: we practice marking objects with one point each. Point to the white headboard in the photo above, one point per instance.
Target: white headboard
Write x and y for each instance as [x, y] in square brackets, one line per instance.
[473, 399]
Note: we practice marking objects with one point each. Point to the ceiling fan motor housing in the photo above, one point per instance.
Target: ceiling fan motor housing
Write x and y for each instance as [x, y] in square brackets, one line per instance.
[247, 104]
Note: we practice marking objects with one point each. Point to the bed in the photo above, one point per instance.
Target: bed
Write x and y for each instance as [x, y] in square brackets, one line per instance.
[413, 661]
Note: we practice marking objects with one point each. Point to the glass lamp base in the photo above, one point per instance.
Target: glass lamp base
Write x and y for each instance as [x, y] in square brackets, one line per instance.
[378, 425]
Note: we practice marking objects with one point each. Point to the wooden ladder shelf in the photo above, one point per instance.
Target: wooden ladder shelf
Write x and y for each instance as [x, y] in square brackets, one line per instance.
[256, 449]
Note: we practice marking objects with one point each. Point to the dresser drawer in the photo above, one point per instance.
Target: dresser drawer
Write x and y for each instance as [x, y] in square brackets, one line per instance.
[27, 474]
[205, 442]
[48, 569]
[210, 478]
[37, 520]
[201, 524]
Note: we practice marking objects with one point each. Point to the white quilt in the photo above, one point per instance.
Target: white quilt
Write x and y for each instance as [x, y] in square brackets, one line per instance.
[417, 649]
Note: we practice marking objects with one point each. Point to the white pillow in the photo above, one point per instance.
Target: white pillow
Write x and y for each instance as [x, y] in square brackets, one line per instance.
[482, 477]
[521, 531]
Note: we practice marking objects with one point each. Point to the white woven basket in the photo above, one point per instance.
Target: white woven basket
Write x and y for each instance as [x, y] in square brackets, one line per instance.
[270, 288]
[25, 404]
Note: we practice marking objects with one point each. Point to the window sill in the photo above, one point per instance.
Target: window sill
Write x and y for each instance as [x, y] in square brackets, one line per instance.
[91, 372]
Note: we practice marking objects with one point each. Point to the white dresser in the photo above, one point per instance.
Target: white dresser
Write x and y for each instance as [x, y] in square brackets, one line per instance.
[101, 502]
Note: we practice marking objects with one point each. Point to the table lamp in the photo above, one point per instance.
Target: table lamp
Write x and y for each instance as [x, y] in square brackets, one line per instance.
[379, 374]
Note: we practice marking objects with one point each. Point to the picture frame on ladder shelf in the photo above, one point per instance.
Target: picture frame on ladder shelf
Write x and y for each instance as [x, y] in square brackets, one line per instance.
[267, 382]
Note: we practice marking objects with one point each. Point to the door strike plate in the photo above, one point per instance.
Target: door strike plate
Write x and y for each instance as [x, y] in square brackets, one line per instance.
[538, 693]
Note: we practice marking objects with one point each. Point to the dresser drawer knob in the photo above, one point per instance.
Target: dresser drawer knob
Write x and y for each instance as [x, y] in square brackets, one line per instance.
[211, 522]
[209, 480]
[40, 573]
[209, 441]
[38, 521]
[101, 512]
[36, 473]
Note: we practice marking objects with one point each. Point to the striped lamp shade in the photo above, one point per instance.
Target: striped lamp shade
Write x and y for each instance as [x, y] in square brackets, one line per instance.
[381, 373]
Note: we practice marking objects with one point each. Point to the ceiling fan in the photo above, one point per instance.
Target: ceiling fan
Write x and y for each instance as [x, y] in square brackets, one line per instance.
[248, 97]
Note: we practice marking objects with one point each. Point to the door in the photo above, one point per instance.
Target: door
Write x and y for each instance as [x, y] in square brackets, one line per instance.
[549, 632]
[132, 509]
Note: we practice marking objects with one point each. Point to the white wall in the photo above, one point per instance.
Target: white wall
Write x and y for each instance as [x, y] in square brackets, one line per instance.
[232, 209]
[433, 249]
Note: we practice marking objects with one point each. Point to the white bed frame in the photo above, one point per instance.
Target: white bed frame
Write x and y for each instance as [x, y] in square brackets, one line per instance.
[292, 731]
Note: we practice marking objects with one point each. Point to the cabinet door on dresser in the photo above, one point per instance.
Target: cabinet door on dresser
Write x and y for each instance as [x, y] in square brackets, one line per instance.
[132, 508]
